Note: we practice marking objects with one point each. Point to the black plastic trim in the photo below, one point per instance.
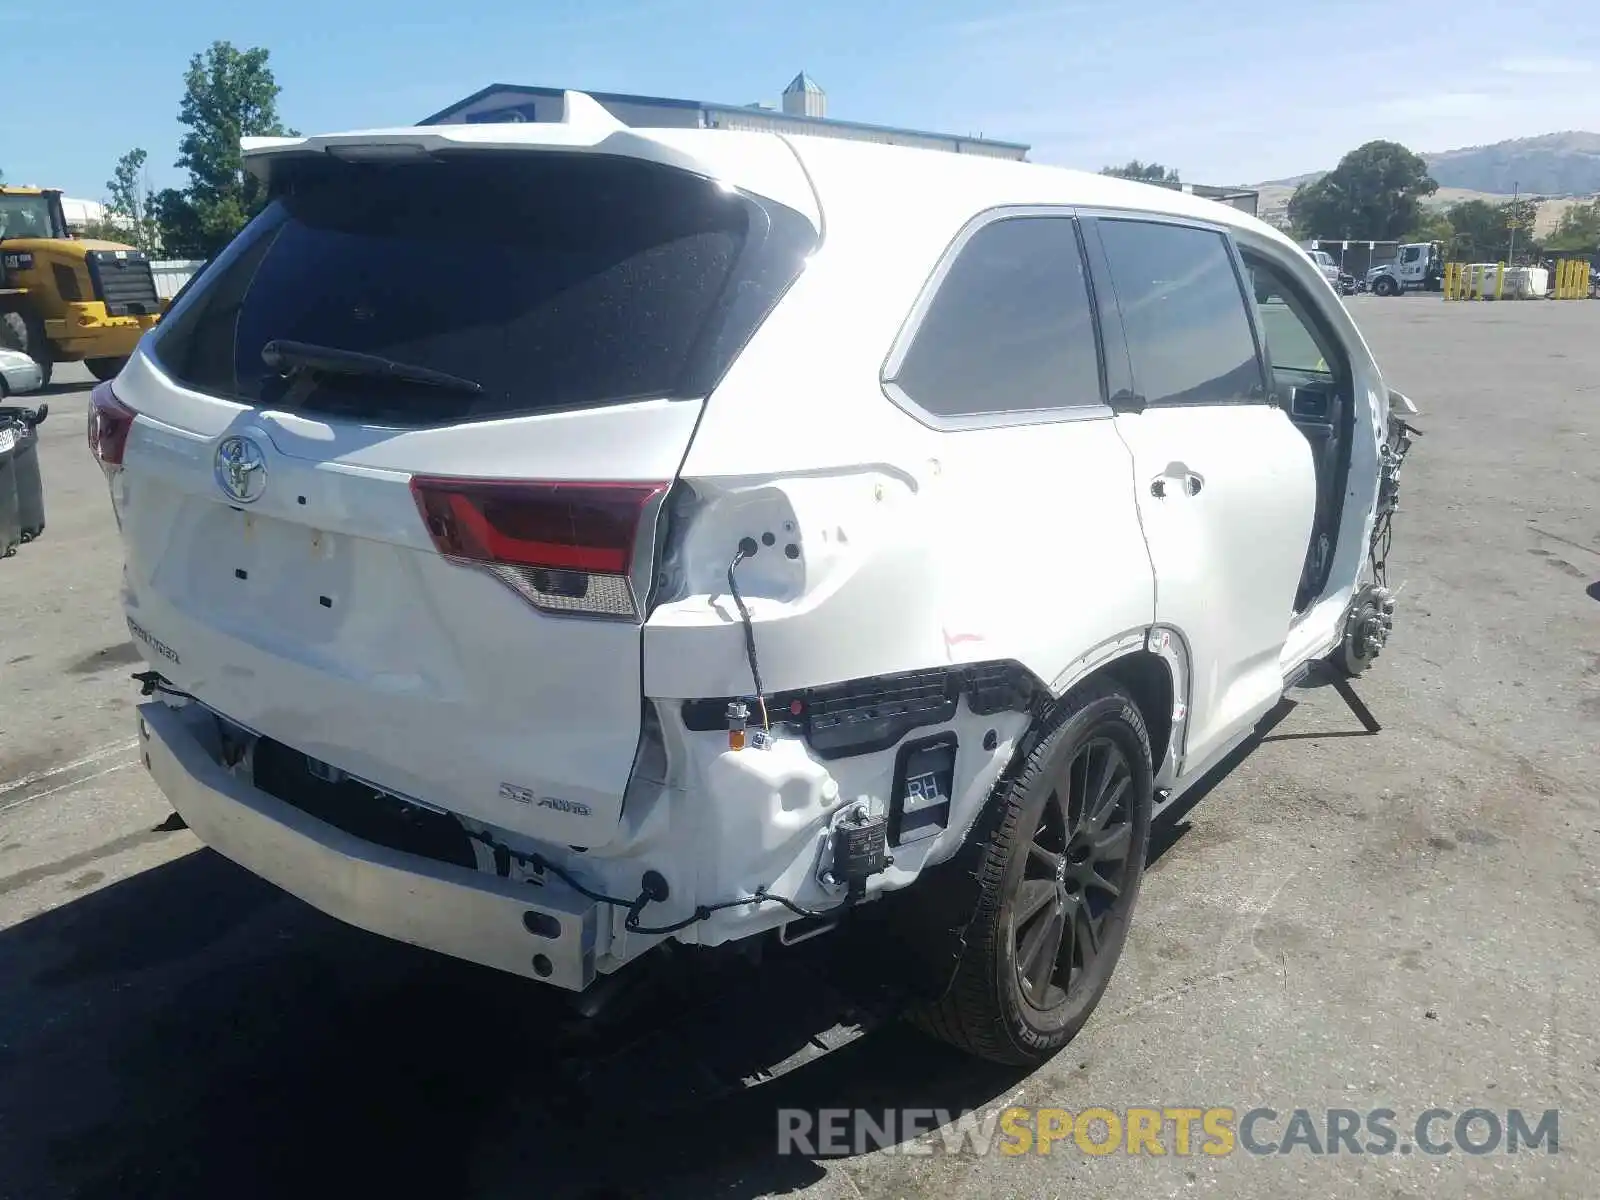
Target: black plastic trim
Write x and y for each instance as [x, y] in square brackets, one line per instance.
[67, 282]
[938, 814]
[928, 697]
[122, 280]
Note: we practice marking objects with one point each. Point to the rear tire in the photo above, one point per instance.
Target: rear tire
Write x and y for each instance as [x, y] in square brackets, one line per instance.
[22, 331]
[1064, 843]
[105, 369]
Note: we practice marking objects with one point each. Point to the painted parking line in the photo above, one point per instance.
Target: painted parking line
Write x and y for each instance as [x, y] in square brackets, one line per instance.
[101, 760]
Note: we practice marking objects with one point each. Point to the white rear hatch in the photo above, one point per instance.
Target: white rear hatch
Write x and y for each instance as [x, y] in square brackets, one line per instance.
[432, 576]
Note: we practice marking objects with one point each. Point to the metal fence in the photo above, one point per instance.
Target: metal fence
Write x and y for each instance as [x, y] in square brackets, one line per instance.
[1356, 257]
[172, 273]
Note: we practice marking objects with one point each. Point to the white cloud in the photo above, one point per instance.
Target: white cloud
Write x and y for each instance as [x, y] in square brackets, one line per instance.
[1546, 66]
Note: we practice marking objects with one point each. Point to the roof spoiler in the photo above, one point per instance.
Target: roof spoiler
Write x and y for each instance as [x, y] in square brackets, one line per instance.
[758, 162]
[581, 113]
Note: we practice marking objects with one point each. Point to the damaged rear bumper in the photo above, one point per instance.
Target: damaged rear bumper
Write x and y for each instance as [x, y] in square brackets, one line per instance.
[546, 933]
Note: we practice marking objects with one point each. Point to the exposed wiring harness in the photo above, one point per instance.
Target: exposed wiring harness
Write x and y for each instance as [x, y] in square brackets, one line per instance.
[746, 549]
[1393, 455]
[151, 682]
[1382, 539]
[654, 889]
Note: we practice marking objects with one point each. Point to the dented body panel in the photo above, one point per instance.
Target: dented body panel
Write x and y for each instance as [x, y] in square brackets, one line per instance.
[887, 566]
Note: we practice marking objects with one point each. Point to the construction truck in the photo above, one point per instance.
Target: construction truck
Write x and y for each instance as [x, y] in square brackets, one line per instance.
[65, 299]
[1417, 267]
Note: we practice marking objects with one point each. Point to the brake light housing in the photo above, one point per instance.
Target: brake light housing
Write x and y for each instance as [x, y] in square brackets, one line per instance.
[566, 547]
[110, 423]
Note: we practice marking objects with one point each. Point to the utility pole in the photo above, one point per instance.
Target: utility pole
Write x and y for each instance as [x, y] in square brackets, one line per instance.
[1511, 255]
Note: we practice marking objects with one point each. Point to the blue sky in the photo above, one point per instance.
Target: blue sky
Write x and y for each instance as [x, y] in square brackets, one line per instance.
[1230, 91]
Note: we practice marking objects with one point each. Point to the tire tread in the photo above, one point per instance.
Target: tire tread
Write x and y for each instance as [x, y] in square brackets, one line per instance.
[967, 1016]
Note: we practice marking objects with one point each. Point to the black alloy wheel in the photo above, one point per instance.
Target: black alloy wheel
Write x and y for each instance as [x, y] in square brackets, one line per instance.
[1076, 870]
[1058, 858]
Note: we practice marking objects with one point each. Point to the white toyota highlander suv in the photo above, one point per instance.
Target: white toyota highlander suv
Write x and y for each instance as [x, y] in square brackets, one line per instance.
[548, 540]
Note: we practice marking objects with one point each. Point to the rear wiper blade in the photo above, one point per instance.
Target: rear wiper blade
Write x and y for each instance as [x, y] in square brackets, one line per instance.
[287, 357]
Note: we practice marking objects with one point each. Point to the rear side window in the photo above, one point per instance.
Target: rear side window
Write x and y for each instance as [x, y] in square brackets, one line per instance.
[1011, 328]
[1189, 334]
[550, 281]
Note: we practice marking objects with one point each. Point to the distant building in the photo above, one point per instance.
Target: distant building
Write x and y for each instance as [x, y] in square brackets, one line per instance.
[82, 213]
[1244, 199]
[803, 98]
[804, 111]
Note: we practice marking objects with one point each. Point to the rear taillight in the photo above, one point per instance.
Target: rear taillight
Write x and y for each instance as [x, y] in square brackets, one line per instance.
[110, 422]
[564, 547]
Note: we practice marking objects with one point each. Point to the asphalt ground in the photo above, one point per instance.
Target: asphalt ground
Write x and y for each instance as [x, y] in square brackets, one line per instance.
[1404, 921]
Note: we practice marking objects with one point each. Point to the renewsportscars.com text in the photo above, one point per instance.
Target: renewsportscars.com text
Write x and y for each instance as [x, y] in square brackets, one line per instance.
[1169, 1130]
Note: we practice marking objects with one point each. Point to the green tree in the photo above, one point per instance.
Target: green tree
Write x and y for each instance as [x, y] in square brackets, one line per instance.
[1433, 226]
[1578, 229]
[132, 201]
[1478, 231]
[104, 231]
[1142, 172]
[229, 94]
[1375, 192]
[1483, 230]
[1521, 217]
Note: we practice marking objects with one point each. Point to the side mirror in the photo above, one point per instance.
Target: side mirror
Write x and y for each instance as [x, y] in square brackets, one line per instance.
[39, 414]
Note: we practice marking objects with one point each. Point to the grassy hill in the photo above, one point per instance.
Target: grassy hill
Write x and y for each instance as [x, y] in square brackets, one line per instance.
[1554, 164]
[1275, 203]
[1562, 166]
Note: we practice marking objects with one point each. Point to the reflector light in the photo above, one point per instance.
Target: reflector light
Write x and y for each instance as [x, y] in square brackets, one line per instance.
[110, 422]
[564, 547]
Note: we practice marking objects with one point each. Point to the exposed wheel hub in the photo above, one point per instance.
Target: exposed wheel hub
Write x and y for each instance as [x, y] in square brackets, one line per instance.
[1367, 628]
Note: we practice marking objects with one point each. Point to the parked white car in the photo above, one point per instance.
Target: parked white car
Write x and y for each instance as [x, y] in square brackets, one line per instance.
[736, 535]
[1325, 264]
[19, 374]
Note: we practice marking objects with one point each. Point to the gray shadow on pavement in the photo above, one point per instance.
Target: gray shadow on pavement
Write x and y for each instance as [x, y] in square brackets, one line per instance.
[192, 1032]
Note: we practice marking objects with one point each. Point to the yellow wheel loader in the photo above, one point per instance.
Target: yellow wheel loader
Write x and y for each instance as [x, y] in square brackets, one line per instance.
[65, 299]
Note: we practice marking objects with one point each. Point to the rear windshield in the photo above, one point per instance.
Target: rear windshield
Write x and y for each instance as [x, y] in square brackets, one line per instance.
[552, 281]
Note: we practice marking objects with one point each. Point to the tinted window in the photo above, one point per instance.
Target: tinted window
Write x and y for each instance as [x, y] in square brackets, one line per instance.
[24, 216]
[1189, 335]
[552, 281]
[1010, 329]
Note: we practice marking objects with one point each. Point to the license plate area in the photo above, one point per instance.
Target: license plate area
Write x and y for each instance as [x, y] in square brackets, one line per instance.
[270, 573]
